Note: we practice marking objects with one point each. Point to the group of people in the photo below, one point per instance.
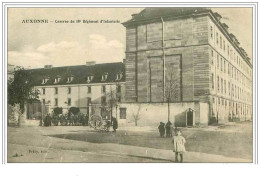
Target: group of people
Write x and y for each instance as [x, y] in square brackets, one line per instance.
[168, 128]
[178, 140]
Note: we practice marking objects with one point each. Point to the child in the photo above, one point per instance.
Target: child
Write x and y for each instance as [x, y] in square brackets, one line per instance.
[178, 146]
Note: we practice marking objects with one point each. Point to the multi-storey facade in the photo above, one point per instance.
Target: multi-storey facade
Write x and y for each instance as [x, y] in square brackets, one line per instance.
[214, 74]
[84, 86]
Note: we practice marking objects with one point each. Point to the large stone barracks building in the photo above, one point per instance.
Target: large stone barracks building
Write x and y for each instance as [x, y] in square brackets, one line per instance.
[214, 74]
[88, 87]
[184, 56]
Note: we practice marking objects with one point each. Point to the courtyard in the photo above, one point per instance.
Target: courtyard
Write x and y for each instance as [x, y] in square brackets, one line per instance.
[225, 143]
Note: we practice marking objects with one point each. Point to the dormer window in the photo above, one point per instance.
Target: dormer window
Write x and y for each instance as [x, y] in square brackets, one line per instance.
[104, 76]
[89, 79]
[119, 76]
[69, 79]
[57, 80]
[44, 80]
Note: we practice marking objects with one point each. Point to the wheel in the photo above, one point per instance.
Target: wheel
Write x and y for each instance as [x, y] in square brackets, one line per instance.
[95, 121]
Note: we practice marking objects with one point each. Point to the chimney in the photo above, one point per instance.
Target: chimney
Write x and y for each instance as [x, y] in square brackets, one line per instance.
[233, 37]
[225, 26]
[47, 66]
[133, 15]
[88, 63]
[218, 16]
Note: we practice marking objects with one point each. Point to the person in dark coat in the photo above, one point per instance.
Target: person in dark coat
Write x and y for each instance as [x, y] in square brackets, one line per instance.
[168, 129]
[114, 124]
[47, 120]
[161, 129]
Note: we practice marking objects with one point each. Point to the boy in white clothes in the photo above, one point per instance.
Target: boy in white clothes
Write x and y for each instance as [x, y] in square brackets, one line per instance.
[178, 146]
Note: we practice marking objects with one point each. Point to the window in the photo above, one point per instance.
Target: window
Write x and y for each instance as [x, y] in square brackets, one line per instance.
[70, 79]
[224, 66]
[89, 89]
[221, 61]
[103, 100]
[119, 76]
[232, 90]
[103, 89]
[218, 61]
[43, 91]
[212, 79]
[69, 90]
[57, 80]
[225, 86]
[220, 42]
[56, 90]
[43, 101]
[56, 101]
[119, 99]
[228, 69]
[104, 76]
[221, 85]
[69, 101]
[217, 38]
[89, 78]
[228, 49]
[88, 101]
[122, 113]
[229, 88]
[224, 45]
[218, 83]
[211, 32]
[118, 88]
[44, 80]
[213, 100]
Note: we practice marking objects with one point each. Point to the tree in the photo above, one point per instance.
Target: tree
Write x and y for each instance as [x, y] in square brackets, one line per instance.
[74, 110]
[172, 90]
[20, 90]
[136, 115]
[113, 100]
[57, 110]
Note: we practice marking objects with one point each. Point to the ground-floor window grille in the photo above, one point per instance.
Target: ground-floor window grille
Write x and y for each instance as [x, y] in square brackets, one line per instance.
[122, 113]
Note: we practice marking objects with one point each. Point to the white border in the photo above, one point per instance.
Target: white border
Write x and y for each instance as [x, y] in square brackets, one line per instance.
[130, 176]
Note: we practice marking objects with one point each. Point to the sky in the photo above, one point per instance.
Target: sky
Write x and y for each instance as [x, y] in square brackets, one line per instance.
[33, 45]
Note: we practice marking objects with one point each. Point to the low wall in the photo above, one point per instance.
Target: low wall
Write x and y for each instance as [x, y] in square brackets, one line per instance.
[153, 113]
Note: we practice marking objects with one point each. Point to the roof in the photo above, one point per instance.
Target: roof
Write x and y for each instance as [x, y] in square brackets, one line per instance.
[153, 13]
[79, 73]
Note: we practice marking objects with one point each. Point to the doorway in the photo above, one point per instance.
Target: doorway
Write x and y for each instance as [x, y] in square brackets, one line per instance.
[190, 117]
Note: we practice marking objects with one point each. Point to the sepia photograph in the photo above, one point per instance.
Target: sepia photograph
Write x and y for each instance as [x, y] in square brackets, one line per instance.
[130, 84]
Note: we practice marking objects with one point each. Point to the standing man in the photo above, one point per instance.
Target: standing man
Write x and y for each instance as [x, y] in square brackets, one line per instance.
[114, 123]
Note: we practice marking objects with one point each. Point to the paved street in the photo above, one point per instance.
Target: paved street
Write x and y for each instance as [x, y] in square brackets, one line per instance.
[129, 144]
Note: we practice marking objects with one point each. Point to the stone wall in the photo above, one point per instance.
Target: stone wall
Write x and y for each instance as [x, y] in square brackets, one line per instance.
[152, 113]
[185, 48]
